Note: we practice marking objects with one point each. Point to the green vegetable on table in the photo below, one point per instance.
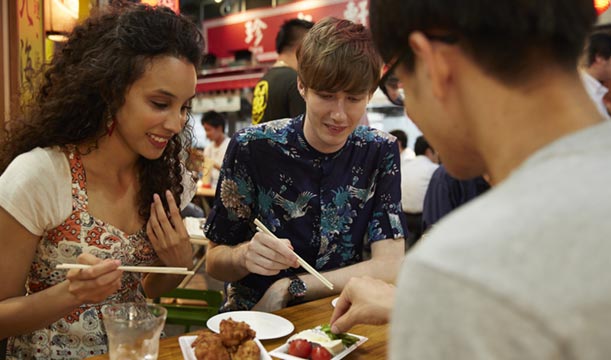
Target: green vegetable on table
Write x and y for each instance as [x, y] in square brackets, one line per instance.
[347, 339]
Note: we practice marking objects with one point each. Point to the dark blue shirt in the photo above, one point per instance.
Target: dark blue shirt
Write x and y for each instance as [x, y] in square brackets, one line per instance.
[446, 193]
[327, 205]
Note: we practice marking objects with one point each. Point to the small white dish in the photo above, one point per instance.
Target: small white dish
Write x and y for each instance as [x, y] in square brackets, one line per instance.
[266, 325]
[188, 353]
[282, 351]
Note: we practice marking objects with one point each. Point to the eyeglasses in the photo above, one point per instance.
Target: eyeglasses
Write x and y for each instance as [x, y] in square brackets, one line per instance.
[389, 82]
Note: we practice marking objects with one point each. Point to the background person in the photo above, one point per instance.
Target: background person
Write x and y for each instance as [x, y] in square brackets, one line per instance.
[339, 185]
[446, 193]
[405, 152]
[521, 272]
[597, 69]
[89, 176]
[275, 96]
[415, 177]
[214, 124]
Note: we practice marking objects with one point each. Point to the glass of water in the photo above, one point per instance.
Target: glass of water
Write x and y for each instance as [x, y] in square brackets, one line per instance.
[133, 330]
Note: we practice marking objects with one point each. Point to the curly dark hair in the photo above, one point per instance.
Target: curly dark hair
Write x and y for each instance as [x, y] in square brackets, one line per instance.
[86, 82]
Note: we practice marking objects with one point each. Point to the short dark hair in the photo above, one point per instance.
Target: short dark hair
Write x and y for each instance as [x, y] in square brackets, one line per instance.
[599, 44]
[508, 39]
[213, 119]
[421, 145]
[291, 33]
[401, 137]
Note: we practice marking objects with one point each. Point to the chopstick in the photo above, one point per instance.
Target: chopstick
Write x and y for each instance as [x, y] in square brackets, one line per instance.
[199, 241]
[301, 262]
[143, 269]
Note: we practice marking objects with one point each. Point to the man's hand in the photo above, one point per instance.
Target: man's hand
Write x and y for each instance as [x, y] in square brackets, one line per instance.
[275, 298]
[266, 255]
[363, 301]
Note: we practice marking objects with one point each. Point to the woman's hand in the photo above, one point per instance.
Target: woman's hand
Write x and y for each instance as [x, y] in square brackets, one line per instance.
[169, 235]
[266, 255]
[95, 284]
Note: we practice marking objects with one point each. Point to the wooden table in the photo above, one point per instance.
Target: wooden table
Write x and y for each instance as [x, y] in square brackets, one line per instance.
[303, 316]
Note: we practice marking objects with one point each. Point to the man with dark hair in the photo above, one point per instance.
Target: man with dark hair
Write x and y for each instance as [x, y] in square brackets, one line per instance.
[597, 69]
[402, 140]
[415, 177]
[275, 96]
[523, 271]
[214, 124]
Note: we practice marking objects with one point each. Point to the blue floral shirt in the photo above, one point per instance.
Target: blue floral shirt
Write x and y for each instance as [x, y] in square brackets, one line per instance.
[328, 205]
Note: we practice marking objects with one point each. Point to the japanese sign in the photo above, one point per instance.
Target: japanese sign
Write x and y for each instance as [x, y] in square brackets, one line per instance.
[31, 45]
[172, 4]
[256, 30]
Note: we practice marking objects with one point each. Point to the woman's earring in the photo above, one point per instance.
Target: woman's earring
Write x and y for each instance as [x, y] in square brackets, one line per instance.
[110, 123]
[110, 126]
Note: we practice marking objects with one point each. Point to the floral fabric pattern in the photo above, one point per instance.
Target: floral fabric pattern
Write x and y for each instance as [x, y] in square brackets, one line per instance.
[80, 334]
[328, 205]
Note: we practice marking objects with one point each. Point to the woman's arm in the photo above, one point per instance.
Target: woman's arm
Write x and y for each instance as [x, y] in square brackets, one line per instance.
[21, 314]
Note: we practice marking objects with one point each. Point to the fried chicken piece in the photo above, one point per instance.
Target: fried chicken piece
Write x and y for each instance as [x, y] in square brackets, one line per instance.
[209, 346]
[248, 350]
[206, 336]
[233, 333]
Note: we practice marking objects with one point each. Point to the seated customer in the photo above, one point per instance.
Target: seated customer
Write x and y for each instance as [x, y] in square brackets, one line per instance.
[339, 186]
[445, 193]
[214, 124]
[415, 177]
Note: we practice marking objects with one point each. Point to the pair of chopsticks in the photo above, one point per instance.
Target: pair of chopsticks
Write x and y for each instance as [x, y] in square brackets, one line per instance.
[142, 269]
[301, 262]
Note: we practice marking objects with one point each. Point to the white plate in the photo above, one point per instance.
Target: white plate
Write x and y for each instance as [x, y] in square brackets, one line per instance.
[334, 301]
[282, 351]
[267, 326]
[194, 228]
[188, 353]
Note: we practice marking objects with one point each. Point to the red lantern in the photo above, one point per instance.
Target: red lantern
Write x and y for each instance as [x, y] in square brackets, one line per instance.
[601, 5]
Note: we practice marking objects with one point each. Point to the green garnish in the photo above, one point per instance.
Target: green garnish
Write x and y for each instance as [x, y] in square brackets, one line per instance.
[347, 340]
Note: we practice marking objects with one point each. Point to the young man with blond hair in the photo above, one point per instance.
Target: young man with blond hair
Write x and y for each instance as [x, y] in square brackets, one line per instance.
[324, 185]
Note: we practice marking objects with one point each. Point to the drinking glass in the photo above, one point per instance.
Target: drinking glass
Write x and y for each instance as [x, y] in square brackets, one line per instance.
[133, 330]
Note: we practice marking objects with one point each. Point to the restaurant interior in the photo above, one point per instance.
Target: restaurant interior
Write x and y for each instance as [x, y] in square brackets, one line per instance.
[239, 50]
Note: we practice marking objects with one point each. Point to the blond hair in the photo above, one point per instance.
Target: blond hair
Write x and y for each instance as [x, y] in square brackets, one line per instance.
[338, 55]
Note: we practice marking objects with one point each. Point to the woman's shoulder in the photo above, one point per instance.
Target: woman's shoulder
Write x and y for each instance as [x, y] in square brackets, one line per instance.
[47, 154]
[49, 159]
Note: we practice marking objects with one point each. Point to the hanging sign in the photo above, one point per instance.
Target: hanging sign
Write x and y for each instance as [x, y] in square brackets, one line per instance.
[256, 30]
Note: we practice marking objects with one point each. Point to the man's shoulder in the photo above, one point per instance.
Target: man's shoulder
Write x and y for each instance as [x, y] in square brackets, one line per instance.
[275, 131]
[522, 234]
[368, 135]
[280, 73]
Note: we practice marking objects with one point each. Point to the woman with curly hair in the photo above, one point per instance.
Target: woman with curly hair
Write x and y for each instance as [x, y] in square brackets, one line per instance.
[92, 173]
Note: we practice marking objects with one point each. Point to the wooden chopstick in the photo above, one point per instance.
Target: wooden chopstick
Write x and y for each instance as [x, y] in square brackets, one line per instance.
[143, 269]
[199, 241]
[301, 262]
